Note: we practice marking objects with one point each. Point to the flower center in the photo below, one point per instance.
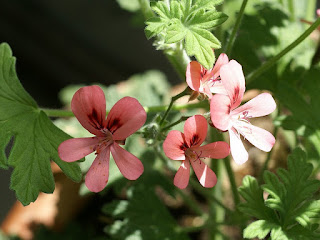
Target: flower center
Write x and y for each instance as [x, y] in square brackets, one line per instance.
[193, 155]
[105, 141]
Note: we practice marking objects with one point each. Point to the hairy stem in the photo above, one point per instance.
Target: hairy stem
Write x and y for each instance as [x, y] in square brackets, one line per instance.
[235, 28]
[181, 119]
[173, 99]
[253, 75]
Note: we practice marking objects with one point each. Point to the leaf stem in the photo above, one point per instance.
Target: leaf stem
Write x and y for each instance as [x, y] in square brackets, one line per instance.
[57, 112]
[235, 28]
[253, 75]
[173, 99]
[234, 189]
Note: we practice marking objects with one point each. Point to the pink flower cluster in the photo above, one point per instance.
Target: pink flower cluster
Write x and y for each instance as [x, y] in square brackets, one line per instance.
[225, 80]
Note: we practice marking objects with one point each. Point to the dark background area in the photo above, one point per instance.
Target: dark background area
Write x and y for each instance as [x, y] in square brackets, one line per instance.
[58, 43]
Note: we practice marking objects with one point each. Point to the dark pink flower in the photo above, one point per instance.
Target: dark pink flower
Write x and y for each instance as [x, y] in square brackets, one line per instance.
[186, 147]
[126, 117]
[227, 116]
[206, 81]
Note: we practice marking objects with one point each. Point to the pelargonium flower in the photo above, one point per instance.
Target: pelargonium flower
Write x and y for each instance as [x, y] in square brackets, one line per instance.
[227, 116]
[186, 148]
[125, 117]
[206, 81]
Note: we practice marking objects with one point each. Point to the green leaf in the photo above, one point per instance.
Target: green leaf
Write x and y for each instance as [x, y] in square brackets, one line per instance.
[208, 20]
[155, 26]
[161, 9]
[205, 4]
[254, 205]
[279, 234]
[175, 10]
[200, 43]
[258, 229]
[175, 32]
[36, 139]
[290, 208]
[143, 215]
[191, 22]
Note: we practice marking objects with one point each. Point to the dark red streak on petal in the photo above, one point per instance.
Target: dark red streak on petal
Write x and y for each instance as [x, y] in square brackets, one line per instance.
[195, 139]
[114, 124]
[94, 121]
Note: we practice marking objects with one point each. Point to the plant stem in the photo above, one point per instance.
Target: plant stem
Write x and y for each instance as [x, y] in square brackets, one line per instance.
[161, 108]
[311, 8]
[182, 118]
[146, 9]
[179, 59]
[235, 28]
[253, 75]
[235, 193]
[173, 99]
[291, 10]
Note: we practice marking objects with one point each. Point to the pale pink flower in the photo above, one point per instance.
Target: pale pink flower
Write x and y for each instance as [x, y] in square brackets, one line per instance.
[186, 148]
[206, 81]
[227, 116]
[126, 117]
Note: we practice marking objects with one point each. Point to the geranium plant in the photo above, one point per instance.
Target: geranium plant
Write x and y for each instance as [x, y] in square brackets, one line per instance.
[134, 149]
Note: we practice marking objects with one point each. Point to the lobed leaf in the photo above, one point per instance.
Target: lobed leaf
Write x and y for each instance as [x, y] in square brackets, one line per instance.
[259, 229]
[35, 138]
[190, 22]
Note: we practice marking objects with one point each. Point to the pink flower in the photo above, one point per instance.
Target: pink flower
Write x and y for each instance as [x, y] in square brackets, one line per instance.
[227, 116]
[186, 147]
[206, 81]
[126, 117]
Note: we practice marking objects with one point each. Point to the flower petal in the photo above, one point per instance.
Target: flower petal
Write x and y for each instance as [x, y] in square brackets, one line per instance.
[174, 145]
[205, 175]
[215, 150]
[218, 88]
[181, 179]
[76, 148]
[125, 118]
[258, 137]
[238, 151]
[193, 75]
[195, 130]
[233, 80]
[220, 111]
[129, 165]
[261, 105]
[98, 174]
[222, 59]
[89, 106]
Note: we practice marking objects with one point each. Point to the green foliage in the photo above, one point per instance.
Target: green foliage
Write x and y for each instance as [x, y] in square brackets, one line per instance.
[35, 138]
[143, 215]
[288, 211]
[191, 21]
